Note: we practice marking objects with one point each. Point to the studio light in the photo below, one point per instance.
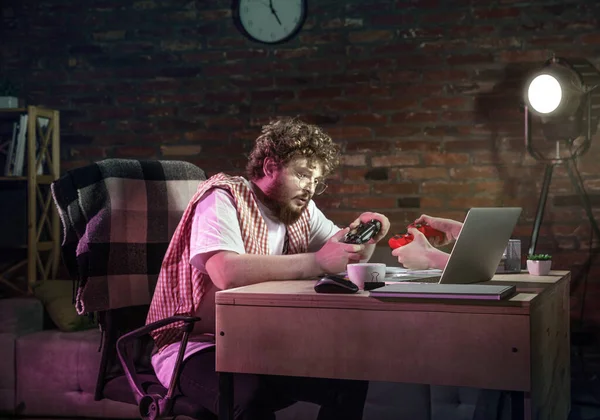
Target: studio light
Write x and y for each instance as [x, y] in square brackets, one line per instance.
[555, 91]
[563, 95]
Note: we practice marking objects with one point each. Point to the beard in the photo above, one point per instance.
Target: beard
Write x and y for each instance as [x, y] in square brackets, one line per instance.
[277, 200]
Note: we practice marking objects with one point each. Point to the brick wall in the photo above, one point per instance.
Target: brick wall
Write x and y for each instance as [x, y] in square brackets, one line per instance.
[424, 96]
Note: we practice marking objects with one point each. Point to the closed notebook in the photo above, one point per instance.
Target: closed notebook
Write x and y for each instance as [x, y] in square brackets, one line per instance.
[444, 291]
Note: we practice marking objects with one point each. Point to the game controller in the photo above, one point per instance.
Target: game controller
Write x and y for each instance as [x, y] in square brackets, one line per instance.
[363, 232]
[403, 239]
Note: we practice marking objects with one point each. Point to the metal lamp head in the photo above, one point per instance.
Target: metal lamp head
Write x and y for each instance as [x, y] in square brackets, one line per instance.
[554, 91]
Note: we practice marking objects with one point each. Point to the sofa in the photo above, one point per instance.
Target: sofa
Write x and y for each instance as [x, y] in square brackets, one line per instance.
[49, 362]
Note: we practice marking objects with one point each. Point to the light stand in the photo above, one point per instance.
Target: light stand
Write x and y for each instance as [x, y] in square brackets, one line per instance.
[584, 87]
[577, 182]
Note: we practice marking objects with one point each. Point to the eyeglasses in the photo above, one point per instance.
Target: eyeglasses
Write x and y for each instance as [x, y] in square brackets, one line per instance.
[304, 181]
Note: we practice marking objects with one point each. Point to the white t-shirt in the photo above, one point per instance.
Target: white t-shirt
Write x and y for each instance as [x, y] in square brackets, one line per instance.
[215, 227]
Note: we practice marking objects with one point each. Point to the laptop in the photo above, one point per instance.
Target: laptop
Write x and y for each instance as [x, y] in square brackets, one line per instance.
[478, 248]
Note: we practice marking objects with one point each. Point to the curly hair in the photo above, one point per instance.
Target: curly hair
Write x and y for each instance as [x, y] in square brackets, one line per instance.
[287, 138]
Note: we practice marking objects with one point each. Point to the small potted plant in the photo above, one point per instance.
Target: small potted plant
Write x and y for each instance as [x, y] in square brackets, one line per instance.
[539, 264]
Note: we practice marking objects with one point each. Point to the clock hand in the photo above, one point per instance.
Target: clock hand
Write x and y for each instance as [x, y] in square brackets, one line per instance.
[273, 11]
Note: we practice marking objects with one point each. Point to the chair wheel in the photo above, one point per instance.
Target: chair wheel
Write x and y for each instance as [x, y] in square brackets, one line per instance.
[148, 408]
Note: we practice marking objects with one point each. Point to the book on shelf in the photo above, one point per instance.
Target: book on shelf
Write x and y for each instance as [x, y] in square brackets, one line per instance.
[40, 151]
[21, 146]
[9, 165]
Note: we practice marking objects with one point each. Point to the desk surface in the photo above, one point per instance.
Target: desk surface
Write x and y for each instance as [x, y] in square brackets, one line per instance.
[300, 293]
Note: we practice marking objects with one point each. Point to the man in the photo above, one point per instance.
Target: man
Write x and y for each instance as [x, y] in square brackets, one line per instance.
[239, 231]
[420, 254]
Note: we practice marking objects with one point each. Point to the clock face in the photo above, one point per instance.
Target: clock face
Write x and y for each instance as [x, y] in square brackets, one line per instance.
[269, 21]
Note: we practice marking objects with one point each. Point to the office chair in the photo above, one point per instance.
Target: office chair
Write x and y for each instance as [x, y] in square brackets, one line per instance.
[118, 217]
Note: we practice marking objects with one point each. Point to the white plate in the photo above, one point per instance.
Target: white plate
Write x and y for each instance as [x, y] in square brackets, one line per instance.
[395, 270]
[400, 271]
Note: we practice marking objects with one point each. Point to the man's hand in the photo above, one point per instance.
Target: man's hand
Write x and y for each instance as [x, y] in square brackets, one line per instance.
[366, 217]
[334, 256]
[450, 228]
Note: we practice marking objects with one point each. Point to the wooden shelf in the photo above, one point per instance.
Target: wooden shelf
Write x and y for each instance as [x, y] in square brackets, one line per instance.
[41, 179]
[43, 225]
[13, 178]
[39, 110]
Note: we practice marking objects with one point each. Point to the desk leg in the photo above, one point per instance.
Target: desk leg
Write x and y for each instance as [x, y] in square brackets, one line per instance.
[517, 406]
[225, 396]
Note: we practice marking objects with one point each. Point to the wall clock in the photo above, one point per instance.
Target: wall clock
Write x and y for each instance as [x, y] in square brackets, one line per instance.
[269, 21]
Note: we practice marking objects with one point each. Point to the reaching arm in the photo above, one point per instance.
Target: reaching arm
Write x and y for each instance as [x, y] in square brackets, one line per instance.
[437, 259]
[218, 250]
[420, 254]
[450, 228]
[229, 269]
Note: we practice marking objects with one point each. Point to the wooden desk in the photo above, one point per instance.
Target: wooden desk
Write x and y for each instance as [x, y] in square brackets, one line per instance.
[520, 344]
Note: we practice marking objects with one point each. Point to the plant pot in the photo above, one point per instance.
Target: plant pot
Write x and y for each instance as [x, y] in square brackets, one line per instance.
[9, 102]
[539, 268]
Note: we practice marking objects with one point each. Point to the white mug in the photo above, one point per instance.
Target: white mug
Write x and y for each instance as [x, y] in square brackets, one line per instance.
[361, 273]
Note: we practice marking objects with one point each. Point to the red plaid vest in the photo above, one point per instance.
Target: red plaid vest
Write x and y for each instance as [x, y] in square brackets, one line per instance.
[180, 286]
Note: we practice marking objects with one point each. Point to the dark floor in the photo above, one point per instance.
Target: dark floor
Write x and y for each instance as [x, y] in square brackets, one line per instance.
[585, 382]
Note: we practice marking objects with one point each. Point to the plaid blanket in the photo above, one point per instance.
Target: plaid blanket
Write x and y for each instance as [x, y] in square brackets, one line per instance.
[118, 216]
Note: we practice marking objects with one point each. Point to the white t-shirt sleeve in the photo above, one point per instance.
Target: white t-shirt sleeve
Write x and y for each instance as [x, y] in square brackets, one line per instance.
[321, 228]
[215, 227]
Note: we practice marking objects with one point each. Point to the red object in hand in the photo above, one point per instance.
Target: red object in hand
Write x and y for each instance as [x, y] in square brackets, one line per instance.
[402, 239]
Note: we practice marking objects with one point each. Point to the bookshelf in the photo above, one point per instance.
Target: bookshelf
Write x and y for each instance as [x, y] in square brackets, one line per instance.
[39, 255]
